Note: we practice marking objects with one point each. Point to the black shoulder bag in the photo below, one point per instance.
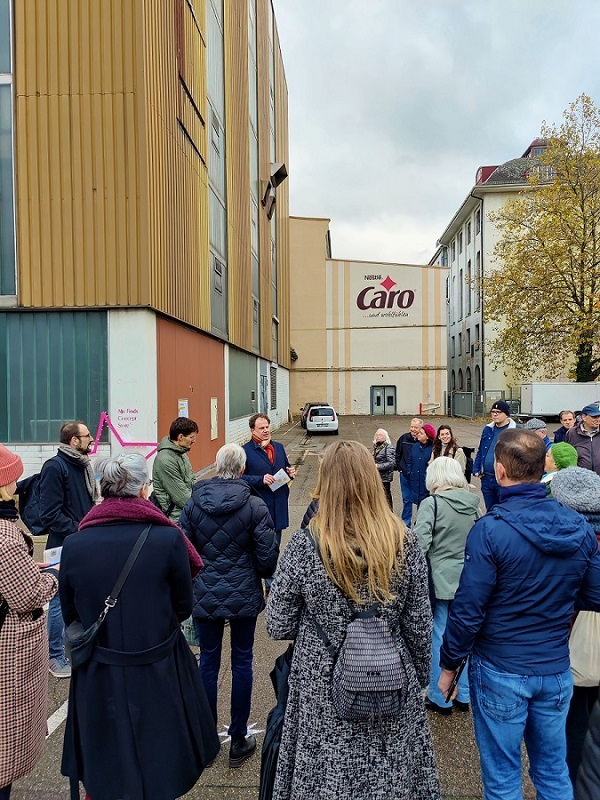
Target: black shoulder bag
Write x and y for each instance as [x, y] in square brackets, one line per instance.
[80, 641]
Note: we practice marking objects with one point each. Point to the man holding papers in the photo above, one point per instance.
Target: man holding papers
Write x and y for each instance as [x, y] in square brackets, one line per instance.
[264, 459]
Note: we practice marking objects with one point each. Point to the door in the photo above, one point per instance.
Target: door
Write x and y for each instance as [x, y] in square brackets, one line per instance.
[383, 400]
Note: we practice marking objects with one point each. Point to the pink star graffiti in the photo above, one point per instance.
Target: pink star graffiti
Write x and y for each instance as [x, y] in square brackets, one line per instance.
[105, 420]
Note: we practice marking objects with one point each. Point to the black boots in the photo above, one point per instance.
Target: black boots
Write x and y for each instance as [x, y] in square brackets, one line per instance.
[241, 749]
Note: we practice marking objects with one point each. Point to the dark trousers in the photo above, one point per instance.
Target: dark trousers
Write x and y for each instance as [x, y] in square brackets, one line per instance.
[578, 719]
[210, 636]
[388, 493]
[5, 792]
[489, 490]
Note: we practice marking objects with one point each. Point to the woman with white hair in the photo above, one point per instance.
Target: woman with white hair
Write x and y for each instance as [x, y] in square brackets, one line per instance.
[232, 530]
[385, 461]
[443, 522]
[138, 724]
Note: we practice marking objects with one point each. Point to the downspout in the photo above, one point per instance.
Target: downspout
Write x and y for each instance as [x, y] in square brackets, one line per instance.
[477, 197]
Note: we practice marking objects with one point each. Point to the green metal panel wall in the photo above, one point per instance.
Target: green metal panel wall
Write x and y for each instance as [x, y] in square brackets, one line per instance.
[56, 367]
[242, 384]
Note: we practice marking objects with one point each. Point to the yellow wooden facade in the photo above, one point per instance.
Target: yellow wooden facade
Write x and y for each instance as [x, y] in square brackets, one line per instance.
[111, 160]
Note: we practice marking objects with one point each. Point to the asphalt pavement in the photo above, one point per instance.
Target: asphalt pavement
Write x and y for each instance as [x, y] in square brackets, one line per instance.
[456, 752]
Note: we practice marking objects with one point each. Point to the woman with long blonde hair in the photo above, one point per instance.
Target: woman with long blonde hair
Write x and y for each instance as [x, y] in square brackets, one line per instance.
[361, 555]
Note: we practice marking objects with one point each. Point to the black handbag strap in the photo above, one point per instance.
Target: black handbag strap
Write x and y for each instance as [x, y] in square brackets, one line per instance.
[111, 600]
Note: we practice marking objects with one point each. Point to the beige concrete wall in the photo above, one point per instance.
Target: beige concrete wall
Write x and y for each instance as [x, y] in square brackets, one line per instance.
[359, 324]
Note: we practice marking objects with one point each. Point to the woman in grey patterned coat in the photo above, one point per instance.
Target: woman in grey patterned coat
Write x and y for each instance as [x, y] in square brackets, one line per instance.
[367, 557]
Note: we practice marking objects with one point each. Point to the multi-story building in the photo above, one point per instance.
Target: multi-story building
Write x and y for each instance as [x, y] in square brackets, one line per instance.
[368, 337]
[466, 246]
[144, 240]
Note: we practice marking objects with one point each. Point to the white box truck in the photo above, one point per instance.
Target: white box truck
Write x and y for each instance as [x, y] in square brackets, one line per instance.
[548, 399]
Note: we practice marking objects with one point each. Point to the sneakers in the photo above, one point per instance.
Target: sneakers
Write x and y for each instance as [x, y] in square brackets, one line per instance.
[59, 668]
[241, 749]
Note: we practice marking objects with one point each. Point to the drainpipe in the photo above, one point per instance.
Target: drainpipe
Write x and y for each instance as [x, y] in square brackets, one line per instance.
[481, 298]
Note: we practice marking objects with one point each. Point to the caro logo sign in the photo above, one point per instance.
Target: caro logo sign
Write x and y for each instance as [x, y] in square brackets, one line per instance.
[371, 297]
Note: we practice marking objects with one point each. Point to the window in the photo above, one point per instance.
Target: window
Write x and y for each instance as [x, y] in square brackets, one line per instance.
[468, 375]
[476, 337]
[460, 344]
[460, 242]
[478, 221]
[242, 383]
[478, 282]
[273, 388]
[218, 275]
[453, 250]
[453, 346]
[461, 291]
[453, 383]
[275, 339]
[469, 287]
[8, 285]
[461, 385]
[469, 232]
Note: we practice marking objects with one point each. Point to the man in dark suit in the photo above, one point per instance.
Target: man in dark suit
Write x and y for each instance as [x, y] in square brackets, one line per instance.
[67, 492]
[264, 458]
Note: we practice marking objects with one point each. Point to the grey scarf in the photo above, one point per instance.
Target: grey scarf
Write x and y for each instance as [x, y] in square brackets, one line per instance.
[90, 477]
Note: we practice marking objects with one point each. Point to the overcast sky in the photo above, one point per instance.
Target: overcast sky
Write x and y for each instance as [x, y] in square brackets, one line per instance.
[394, 104]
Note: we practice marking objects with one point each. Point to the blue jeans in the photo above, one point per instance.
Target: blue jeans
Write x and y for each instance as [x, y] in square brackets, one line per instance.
[210, 636]
[440, 618]
[56, 627]
[489, 490]
[407, 506]
[508, 708]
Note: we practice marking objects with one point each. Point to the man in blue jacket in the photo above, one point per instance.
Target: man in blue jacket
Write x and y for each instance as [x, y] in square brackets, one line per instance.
[264, 458]
[526, 563]
[67, 492]
[483, 466]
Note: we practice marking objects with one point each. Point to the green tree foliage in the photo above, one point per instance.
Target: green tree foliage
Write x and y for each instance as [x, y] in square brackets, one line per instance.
[543, 296]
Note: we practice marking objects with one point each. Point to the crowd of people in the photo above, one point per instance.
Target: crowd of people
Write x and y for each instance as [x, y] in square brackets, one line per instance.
[485, 609]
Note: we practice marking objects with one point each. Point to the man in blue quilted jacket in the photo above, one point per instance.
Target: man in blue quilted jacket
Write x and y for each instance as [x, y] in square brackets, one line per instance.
[527, 562]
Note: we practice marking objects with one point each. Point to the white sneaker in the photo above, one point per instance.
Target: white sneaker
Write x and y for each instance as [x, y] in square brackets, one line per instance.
[60, 669]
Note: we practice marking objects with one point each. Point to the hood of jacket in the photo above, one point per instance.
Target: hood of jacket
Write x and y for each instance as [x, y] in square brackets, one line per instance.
[461, 500]
[167, 444]
[217, 496]
[547, 525]
[511, 424]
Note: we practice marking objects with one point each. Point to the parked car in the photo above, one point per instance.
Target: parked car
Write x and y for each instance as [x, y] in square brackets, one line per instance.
[322, 419]
[306, 409]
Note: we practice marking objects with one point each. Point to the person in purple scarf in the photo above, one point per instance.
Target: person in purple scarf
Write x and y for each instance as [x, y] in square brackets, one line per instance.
[139, 724]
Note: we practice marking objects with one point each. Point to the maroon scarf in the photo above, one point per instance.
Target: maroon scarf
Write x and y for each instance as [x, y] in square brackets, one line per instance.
[136, 509]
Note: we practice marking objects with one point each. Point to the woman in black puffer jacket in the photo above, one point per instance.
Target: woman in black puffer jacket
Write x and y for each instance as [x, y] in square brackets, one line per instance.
[385, 461]
[232, 530]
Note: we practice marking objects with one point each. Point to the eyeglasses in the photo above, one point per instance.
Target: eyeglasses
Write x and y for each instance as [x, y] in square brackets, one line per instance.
[84, 436]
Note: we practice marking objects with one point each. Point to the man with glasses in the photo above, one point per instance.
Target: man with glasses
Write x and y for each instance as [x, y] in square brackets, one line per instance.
[67, 492]
[483, 467]
[172, 473]
[585, 438]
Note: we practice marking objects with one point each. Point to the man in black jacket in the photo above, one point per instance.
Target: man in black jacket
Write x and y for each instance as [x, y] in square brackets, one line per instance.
[67, 492]
[403, 448]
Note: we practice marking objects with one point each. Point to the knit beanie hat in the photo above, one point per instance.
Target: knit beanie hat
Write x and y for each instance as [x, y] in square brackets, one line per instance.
[564, 455]
[577, 488]
[11, 466]
[501, 405]
[429, 430]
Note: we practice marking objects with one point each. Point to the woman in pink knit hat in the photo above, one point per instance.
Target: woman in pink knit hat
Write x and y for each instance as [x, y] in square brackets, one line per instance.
[24, 589]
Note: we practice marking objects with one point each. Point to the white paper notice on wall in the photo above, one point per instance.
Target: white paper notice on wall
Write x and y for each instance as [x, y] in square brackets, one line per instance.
[214, 418]
[183, 407]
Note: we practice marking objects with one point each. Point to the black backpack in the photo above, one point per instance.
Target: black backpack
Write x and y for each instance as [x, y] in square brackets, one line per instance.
[28, 491]
[368, 678]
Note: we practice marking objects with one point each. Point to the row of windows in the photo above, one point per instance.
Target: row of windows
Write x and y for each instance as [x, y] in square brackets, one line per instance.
[465, 233]
[465, 297]
[470, 347]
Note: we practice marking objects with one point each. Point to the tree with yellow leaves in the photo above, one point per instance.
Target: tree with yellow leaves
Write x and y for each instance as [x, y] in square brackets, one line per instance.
[543, 296]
